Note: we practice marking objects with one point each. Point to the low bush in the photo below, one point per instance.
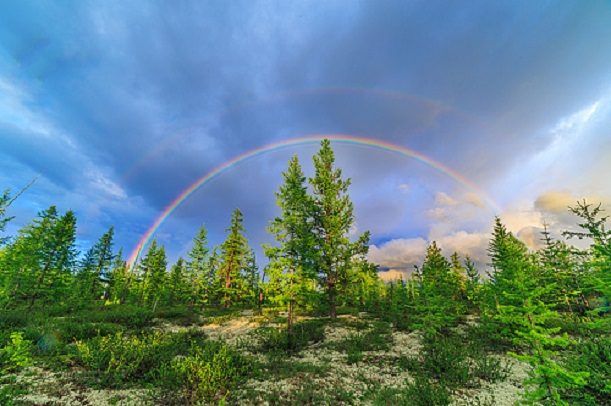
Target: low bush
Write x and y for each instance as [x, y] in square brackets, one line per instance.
[445, 360]
[207, 373]
[376, 339]
[488, 368]
[16, 354]
[593, 356]
[421, 392]
[116, 360]
[70, 330]
[273, 340]
[133, 317]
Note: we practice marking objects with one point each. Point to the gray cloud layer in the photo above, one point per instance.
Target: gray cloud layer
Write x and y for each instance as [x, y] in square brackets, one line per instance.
[126, 104]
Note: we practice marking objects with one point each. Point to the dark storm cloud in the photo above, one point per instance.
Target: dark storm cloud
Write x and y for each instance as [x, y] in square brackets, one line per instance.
[144, 98]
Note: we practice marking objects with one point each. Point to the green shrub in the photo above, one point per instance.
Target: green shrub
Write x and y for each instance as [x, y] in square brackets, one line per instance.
[593, 356]
[117, 359]
[12, 390]
[69, 330]
[445, 359]
[132, 317]
[277, 341]
[13, 320]
[376, 339]
[489, 336]
[572, 326]
[348, 310]
[207, 373]
[354, 356]
[422, 392]
[16, 354]
[488, 368]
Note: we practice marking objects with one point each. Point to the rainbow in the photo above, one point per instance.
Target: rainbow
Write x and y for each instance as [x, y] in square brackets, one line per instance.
[311, 139]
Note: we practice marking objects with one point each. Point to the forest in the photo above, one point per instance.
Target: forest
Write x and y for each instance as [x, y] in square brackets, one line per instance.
[315, 326]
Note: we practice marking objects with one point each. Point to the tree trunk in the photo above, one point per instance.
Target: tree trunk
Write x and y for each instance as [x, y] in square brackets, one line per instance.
[124, 294]
[41, 279]
[332, 309]
[226, 302]
[289, 330]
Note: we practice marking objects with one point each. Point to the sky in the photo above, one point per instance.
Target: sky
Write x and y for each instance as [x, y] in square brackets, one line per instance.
[485, 108]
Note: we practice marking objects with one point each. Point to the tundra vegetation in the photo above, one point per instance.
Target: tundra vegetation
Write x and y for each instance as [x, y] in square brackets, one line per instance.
[316, 326]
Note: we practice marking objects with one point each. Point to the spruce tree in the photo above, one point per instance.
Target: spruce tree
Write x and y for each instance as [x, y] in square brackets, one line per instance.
[332, 220]
[290, 264]
[458, 272]
[96, 265]
[598, 260]
[521, 309]
[37, 263]
[437, 300]
[177, 282]
[198, 268]
[117, 277]
[559, 266]
[157, 276]
[473, 285]
[145, 267]
[57, 263]
[234, 253]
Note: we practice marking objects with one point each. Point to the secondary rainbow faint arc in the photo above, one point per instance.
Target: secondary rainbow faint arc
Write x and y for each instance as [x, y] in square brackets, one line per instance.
[343, 139]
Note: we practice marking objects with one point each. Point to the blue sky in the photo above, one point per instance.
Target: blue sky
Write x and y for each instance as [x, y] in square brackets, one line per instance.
[126, 104]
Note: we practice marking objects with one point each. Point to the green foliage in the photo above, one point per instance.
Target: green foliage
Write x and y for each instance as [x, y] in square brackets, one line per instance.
[208, 373]
[520, 307]
[444, 359]
[36, 265]
[420, 392]
[16, 354]
[594, 357]
[291, 273]
[5, 198]
[70, 330]
[235, 265]
[92, 278]
[116, 360]
[332, 218]
[528, 305]
[396, 302]
[152, 278]
[376, 339]
[134, 317]
[486, 367]
[275, 341]
[438, 302]
[452, 364]
[11, 390]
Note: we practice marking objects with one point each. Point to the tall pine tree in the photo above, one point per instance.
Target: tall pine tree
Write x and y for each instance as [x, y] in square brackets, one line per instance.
[290, 266]
[332, 220]
[234, 254]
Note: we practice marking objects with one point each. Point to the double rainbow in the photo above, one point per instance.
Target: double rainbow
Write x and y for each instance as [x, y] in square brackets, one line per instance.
[312, 139]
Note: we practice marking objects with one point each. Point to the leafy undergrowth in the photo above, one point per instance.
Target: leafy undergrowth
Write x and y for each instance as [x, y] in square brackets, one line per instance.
[237, 359]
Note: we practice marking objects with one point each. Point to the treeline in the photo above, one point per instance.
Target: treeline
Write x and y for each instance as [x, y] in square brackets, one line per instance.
[315, 261]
